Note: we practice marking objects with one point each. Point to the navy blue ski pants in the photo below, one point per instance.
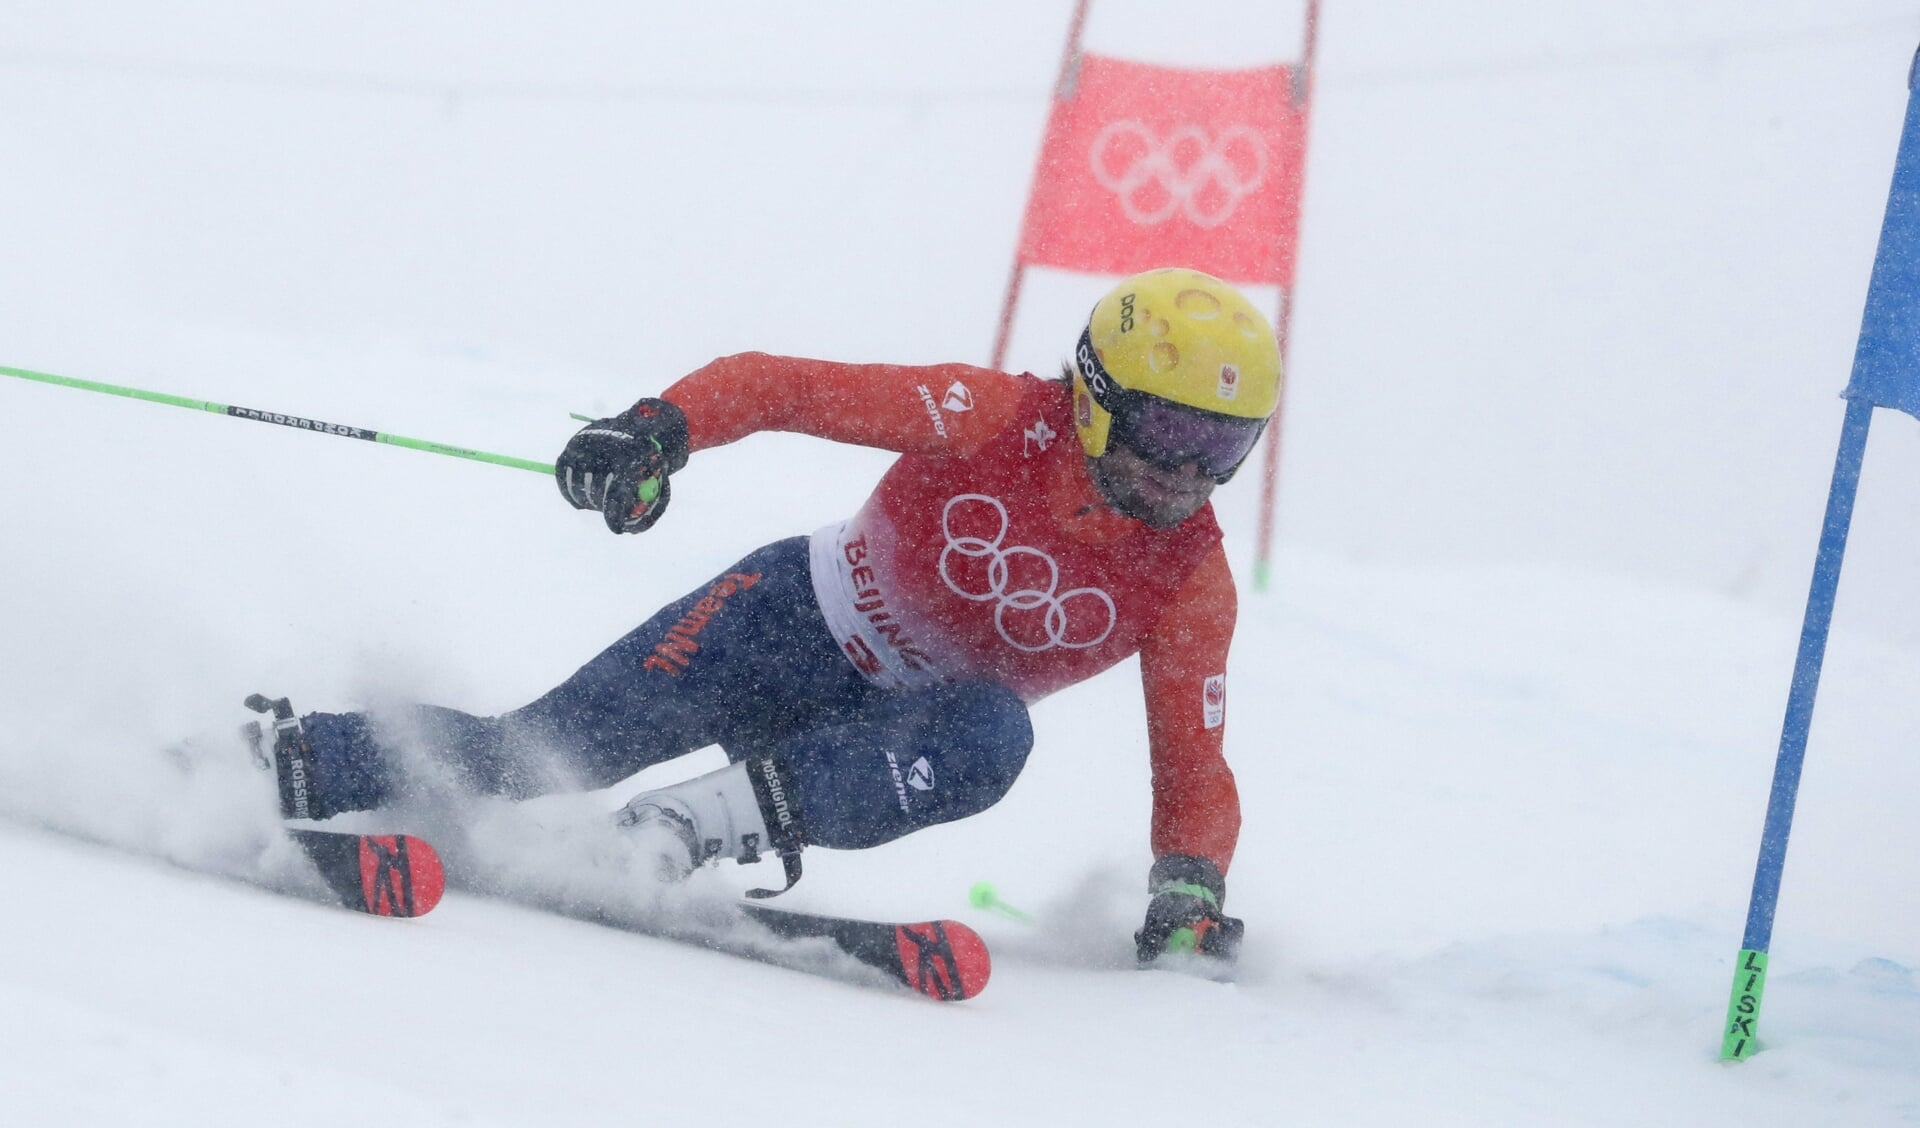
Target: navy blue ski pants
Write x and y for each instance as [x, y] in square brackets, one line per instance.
[745, 662]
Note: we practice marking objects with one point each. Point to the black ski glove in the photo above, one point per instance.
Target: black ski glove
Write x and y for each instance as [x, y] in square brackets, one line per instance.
[619, 465]
[1184, 915]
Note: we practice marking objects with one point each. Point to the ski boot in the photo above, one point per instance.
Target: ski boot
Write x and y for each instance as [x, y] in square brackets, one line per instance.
[740, 812]
[291, 759]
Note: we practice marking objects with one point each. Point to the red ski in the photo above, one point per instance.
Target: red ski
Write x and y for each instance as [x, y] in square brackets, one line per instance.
[394, 875]
[941, 959]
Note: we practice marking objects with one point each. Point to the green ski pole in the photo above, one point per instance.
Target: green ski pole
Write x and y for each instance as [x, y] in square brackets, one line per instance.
[294, 421]
[984, 896]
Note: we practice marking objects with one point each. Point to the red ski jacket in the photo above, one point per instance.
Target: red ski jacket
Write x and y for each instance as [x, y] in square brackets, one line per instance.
[986, 553]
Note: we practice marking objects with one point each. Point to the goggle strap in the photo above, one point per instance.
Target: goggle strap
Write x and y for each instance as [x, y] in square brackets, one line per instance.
[1104, 389]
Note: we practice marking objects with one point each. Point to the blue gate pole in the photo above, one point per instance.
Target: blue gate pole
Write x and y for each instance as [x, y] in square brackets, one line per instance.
[1750, 974]
[1886, 373]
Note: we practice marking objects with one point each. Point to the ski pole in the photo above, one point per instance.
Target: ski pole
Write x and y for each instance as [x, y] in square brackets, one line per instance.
[294, 421]
[984, 896]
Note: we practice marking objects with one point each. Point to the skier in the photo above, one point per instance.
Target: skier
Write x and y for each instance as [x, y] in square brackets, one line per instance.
[873, 679]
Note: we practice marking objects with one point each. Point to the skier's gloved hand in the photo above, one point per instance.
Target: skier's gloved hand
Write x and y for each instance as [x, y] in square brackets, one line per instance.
[619, 465]
[1184, 914]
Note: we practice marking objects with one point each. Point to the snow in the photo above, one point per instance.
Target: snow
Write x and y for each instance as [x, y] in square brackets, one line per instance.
[1579, 285]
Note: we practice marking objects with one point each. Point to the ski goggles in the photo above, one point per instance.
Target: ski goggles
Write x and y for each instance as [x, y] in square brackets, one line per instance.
[1165, 434]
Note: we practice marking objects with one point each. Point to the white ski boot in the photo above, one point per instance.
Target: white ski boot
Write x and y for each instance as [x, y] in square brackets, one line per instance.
[737, 812]
[291, 759]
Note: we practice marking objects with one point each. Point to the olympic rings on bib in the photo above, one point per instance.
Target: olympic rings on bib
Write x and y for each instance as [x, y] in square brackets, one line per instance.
[1069, 617]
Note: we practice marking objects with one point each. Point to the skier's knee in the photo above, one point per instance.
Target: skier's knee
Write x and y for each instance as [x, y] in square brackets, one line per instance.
[981, 738]
[944, 754]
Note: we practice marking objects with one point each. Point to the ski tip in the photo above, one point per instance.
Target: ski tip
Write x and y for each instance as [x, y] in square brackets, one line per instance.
[429, 879]
[400, 875]
[971, 960]
[944, 959]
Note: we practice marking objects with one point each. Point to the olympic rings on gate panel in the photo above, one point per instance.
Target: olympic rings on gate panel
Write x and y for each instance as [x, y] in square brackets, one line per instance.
[1184, 164]
[1060, 609]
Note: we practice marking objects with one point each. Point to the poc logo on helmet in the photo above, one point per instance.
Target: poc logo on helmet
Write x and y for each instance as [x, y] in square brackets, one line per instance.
[1091, 370]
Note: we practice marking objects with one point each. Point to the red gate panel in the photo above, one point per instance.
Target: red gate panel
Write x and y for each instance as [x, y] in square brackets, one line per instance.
[1147, 165]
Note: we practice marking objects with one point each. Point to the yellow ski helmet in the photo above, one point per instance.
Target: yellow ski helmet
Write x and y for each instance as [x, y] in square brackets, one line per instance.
[1178, 367]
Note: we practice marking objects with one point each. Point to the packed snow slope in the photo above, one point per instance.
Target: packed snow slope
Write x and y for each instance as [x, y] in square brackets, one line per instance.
[1579, 283]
